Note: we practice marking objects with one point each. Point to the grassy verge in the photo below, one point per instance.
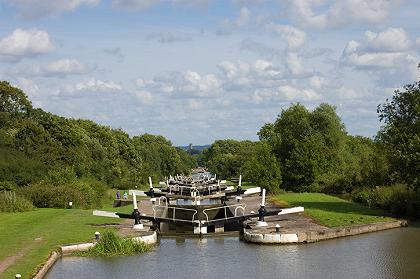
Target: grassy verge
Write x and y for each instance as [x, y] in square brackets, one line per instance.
[111, 244]
[41, 231]
[331, 211]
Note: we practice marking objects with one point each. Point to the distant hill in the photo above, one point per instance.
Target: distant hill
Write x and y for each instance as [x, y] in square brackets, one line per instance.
[196, 147]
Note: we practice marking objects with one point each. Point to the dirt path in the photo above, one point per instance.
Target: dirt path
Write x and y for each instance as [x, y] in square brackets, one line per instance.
[8, 261]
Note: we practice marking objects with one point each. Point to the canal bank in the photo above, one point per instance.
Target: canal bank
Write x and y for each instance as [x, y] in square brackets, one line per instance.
[385, 254]
[279, 235]
[293, 228]
[146, 237]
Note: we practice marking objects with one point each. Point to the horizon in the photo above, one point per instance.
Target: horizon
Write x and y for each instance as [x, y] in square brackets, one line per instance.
[207, 70]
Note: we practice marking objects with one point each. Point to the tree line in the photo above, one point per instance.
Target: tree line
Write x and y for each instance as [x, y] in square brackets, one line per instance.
[311, 151]
[41, 152]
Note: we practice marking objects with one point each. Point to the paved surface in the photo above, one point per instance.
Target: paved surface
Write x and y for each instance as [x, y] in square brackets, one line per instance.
[289, 223]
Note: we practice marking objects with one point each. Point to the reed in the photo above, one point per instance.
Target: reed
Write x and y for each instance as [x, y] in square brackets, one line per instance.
[111, 244]
[10, 202]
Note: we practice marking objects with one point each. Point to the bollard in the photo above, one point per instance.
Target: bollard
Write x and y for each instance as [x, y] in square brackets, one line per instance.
[277, 228]
[261, 212]
[136, 214]
[18, 276]
[97, 235]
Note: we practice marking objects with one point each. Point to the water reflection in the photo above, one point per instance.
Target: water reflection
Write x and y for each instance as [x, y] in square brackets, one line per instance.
[388, 254]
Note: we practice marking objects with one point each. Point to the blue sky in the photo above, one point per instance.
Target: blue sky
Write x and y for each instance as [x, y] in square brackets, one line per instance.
[197, 71]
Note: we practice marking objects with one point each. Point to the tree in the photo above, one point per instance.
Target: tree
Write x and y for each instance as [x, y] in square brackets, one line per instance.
[262, 168]
[13, 99]
[308, 145]
[401, 132]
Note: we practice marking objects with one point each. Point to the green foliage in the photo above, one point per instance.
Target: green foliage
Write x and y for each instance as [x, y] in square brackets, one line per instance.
[226, 157]
[110, 244]
[84, 193]
[397, 199]
[401, 133]
[332, 211]
[316, 154]
[12, 99]
[38, 148]
[262, 168]
[10, 202]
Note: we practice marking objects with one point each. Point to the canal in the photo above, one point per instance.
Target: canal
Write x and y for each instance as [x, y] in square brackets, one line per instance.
[388, 254]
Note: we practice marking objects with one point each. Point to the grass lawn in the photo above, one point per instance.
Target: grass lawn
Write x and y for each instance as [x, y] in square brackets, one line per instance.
[331, 211]
[43, 230]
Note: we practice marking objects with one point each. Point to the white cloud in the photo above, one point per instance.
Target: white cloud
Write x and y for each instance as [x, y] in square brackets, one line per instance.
[293, 36]
[25, 43]
[40, 8]
[144, 96]
[295, 94]
[182, 84]
[134, 4]
[387, 49]
[389, 56]
[90, 86]
[391, 39]
[318, 81]
[243, 18]
[145, 4]
[194, 83]
[339, 13]
[295, 64]
[28, 86]
[63, 67]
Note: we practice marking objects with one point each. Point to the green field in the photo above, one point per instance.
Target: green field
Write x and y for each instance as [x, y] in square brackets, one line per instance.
[331, 211]
[38, 232]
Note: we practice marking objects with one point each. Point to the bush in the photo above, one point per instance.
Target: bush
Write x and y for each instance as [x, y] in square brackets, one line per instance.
[111, 244]
[397, 199]
[84, 193]
[10, 202]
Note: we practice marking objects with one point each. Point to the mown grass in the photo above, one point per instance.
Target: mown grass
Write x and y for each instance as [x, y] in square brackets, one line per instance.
[331, 211]
[111, 244]
[43, 230]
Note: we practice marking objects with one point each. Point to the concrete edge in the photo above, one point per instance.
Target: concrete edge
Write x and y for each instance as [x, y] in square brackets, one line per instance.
[48, 264]
[314, 236]
[69, 249]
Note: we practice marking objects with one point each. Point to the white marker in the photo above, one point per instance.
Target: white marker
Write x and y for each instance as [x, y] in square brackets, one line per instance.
[263, 198]
[134, 201]
[150, 182]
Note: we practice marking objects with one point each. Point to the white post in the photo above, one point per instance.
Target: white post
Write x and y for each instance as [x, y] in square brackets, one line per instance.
[262, 211]
[134, 201]
[150, 182]
[263, 198]
[240, 180]
[138, 226]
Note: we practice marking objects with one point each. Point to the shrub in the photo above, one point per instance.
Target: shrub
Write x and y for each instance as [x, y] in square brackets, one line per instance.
[10, 202]
[111, 244]
[84, 193]
[397, 199]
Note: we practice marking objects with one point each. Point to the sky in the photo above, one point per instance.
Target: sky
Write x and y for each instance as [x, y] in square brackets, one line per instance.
[198, 71]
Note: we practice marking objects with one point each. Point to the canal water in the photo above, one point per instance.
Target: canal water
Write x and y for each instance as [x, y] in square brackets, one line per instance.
[388, 254]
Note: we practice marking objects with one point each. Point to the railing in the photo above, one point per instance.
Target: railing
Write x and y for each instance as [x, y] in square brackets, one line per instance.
[225, 208]
[174, 210]
[191, 189]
